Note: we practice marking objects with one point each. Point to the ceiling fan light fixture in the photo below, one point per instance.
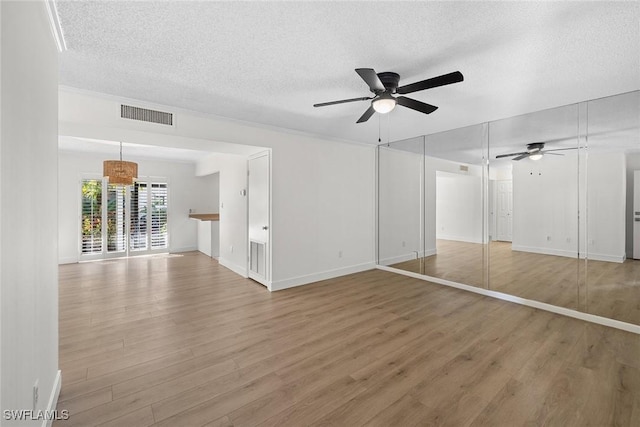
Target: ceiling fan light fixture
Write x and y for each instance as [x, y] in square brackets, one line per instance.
[537, 156]
[384, 103]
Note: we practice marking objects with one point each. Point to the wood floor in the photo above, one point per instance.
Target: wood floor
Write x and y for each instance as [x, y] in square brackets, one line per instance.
[181, 341]
[606, 289]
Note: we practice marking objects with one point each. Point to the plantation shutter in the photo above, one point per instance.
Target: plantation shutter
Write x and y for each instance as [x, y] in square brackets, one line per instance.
[138, 229]
[159, 201]
[91, 216]
[116, 221]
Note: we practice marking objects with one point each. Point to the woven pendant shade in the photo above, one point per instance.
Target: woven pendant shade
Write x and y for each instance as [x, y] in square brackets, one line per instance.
[119, 171]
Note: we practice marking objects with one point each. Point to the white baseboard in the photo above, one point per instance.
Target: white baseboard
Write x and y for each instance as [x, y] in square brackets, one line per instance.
[569, 254]
[316, 277]
[407, 257]
[53, 398]
[457, 238]
[183, 249]
[68, 260]
[242, 271]
[545, 251]
[605, 257]
[605, 321]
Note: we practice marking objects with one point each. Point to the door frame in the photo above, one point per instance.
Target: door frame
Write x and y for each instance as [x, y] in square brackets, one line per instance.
[267, 280]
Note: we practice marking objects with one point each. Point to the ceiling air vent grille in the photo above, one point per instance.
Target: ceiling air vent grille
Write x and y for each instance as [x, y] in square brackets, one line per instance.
[145, 115]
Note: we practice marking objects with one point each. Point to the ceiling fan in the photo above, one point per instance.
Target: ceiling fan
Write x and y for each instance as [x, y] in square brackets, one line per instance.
[385, 85]
[535, 151]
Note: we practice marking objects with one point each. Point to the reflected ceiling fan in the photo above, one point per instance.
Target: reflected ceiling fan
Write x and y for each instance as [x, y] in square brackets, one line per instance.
[385, 85]
[535, 151]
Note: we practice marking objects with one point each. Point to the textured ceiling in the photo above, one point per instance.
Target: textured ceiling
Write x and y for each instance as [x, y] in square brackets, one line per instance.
[269, 62]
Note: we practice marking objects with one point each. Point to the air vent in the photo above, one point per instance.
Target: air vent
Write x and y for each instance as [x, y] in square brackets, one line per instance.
[144, 115]
[464, 168]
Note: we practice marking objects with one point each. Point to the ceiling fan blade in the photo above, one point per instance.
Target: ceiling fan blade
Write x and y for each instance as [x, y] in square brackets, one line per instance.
[416, 105]
[552, 154]
[521, 156]
[511, 154]
[561, 149]
[371, 79]
[367, 114]
[324, 104]
[445, 79]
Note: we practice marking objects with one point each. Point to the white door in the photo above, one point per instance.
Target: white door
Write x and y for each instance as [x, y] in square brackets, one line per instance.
[259, 218]
[504, 206]
[636, 214]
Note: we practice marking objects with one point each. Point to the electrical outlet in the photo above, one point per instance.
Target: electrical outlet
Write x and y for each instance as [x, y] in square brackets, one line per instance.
[339, 254]
[404, 243]
[548, 238]
[35, 395]
[231, 249]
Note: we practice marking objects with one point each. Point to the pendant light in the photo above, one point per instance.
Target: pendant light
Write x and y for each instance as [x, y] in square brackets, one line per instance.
[119, 171]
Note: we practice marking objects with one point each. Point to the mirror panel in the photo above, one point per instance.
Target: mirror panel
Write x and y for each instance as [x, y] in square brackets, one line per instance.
[534, 251]
[400, 204]
[455, 194]
[475, 206]
[612, 273]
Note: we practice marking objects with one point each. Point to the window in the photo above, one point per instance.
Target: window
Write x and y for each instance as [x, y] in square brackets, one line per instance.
[136, 218]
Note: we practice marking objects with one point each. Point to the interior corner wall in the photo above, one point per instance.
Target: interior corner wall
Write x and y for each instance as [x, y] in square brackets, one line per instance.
[232, 172]
[28, 209]
[322, 210]
[186, 192]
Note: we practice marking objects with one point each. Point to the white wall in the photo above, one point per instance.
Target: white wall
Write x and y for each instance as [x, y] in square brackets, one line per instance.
[208, 231]
[28, 214]
[185, 192]
[232, 172]
[458, 207]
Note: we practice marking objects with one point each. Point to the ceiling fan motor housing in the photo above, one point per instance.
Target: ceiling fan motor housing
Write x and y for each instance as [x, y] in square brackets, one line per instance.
[535, 146]
[389, 80]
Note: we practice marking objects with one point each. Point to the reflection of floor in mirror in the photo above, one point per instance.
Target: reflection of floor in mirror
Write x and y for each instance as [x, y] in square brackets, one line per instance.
[613, 288]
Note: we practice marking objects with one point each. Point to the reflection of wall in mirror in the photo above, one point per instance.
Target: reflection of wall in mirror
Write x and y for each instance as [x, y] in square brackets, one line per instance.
[633, 204]
[458, 207]
[545, 211]
[399, 206]
[636, 214]
[454, 203]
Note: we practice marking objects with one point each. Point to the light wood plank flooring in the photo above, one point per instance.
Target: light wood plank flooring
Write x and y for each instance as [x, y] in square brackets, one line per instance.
[181, 341]
[606, 289]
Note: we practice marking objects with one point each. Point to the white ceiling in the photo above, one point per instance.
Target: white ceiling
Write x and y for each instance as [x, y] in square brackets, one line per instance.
[269, 62]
